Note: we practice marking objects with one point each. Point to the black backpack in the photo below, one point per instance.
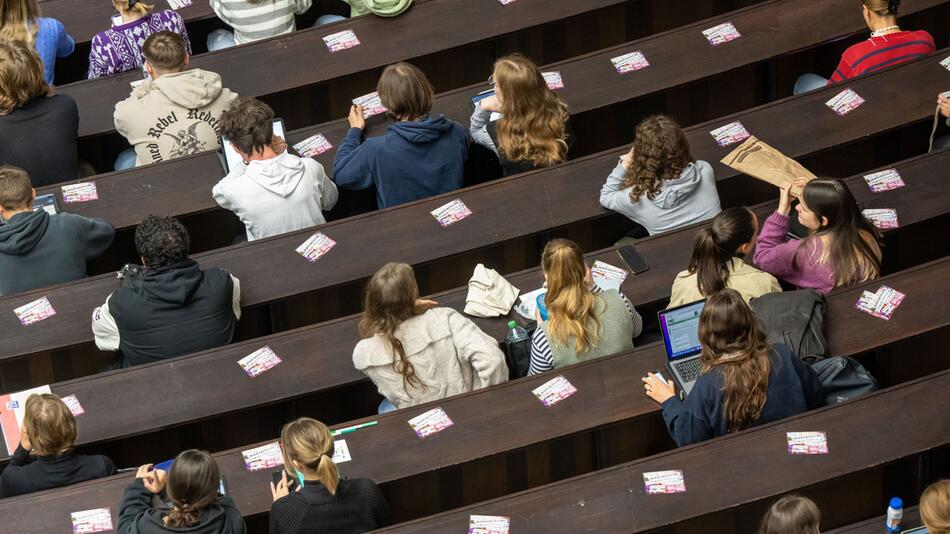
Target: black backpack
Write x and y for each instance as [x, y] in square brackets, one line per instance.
[843, 379]
[518, 355]
[795, 318]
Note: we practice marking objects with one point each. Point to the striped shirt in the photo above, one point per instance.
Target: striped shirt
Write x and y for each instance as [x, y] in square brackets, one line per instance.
[253, 21]
[542, 358]
[881, 52]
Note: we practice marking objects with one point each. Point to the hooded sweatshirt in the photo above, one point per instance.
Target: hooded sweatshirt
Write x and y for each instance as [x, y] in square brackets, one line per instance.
[164, 312]
[412, 160]
[686, 200]
[38, 249]
[173, 116]
[136, 515]
[277, 195]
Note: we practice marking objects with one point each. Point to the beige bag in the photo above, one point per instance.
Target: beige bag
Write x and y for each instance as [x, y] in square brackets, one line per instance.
[489, 294]
[759, 160]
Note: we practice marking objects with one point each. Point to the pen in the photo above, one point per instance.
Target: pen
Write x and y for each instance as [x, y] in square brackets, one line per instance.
[353, 428]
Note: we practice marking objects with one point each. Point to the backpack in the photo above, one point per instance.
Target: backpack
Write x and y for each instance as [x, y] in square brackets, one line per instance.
[795, 318]
[843, 379]
[518, 355]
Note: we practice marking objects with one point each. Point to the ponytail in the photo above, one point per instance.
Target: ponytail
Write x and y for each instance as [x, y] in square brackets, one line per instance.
[183, 516]
[134, 6]
[192, 486]
[327, 472]
[716, 246]
[569, 299]
[308, 443]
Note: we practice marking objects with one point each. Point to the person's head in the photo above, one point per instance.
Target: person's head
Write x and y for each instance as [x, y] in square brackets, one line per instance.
[308, 452]
[734, 343]
[49, 424]
[532, 127]
[830, 212]
[192, 486]
[569, 299]
[16, 191]
[161, 241]
[876, 11]
[388, 300]
[21, 76]
[18, 20]
[132, 8]
[792, 514]
[405, 92]
[935, 507]
[249, 126]
[165, 53]
[731, 235]
[660, 152]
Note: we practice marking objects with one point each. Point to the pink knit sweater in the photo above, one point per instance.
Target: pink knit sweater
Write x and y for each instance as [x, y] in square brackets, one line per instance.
[774, 252]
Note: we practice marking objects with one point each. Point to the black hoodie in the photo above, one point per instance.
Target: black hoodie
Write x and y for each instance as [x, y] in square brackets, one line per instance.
[38, 249]
[136, 515]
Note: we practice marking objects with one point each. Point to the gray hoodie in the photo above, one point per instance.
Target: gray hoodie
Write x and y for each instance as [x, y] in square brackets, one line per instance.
[277, 195]
[686, 200]
[38, 249]
[176, 115]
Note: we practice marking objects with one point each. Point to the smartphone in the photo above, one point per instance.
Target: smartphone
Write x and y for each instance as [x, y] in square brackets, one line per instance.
[222, 486]
[277, 475]
[632, 258]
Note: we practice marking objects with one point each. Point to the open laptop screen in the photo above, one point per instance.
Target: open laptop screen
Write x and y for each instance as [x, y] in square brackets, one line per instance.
[680, 328]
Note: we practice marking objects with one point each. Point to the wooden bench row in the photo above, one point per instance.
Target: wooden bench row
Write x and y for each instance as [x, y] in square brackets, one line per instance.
[508, 417]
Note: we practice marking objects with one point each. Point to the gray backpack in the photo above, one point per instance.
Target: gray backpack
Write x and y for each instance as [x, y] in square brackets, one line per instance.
[797, 319]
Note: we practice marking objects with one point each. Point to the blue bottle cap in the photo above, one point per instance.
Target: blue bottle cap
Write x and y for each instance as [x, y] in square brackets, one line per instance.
[896, 503]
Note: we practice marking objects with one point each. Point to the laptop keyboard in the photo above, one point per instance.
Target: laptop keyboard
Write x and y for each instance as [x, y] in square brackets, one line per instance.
[689, 369]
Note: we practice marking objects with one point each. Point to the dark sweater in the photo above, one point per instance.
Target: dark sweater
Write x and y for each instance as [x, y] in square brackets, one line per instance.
[40, 138]
[27, 474]
[136, 515]
[358, 506]
[411, 161]
[793, 388]
[38, 249]
[510, 167]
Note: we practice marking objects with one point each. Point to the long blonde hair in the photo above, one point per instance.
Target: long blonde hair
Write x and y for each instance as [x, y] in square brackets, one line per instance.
[308, 442]
[935, 507]
[18, 20]
[532, 127]
[570, 301]
[388, 300]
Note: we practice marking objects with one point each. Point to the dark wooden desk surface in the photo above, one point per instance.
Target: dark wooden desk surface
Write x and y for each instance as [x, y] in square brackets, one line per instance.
[318, 357]
[83, 19]
[876, 525]
[508, 417]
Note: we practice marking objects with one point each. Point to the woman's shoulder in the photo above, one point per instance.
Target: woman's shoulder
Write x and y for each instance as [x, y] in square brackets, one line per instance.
[50, 25]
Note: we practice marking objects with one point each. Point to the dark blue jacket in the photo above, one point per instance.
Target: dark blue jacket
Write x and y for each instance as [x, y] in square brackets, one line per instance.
[412, 160]
[793, 388]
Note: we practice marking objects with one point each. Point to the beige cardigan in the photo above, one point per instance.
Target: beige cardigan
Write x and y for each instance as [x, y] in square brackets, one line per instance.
[449, 353]
[744, 278]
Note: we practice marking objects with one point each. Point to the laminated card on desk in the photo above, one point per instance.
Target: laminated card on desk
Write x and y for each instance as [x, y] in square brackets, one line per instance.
[721, 34]
[341, 452]
[759, 160]
[845, 102]
[72, 403]
[882, 303]
[81, 192]
[885, 180]
[341, 41]
[315, 247]
[313, 146]
[730, 134]
[946, 63]
[883, 218]
[807, 442]
[664, 482]
[554, 391]
[259, 361]
[553, 79]
[35, 311]
[87, 521]
[630, 62]
[263, 457]
[451, 213]
[431, 422]
[488, 524]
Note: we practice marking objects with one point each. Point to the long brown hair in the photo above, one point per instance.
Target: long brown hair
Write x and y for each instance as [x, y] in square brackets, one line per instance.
[733, 341]
[854, 244]
[405, 91]
[21, 76]
[935, 507]
[716, 245]
[660, 152]
[308, 442]
[533, 123]
[49, 424]
[192, 486]
[18, 20]
[569, 299]
[792, 514]
[388, 300]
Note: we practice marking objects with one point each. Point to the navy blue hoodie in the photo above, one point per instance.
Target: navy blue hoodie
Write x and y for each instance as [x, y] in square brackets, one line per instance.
[412, 160]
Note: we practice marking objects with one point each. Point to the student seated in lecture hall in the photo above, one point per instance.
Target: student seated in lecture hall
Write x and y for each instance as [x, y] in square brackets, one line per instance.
[887, 46]
[792, 514]
[533, 129]
[38, 128]
[275, 191]
[415, 351]
[718, 261]
[45, 458]
[190, 490]
[169, 306]
[658, 184]
[583, 321]
[119, 48]
[311, 498]
[420, 155]
[935, 507]
[744, 383]
[175, 112]
[253, 20]
[21, 22]
[38, 249]
[842, 248]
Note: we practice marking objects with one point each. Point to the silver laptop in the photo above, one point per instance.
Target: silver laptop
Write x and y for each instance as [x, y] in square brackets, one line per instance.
[680, 329]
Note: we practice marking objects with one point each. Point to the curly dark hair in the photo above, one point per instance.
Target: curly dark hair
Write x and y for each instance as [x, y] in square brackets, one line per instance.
[660, 152]
[161, 241]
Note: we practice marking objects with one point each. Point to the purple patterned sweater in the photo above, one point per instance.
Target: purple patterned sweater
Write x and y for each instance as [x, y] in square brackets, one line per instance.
[774, 252]
[119, 48]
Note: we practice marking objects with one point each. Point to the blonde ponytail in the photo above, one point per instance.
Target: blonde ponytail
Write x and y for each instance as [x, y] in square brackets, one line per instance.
[569, 299]
[308, 442]
[327, 472]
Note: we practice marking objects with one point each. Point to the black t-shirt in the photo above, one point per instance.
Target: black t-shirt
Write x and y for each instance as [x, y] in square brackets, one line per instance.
[40, 138]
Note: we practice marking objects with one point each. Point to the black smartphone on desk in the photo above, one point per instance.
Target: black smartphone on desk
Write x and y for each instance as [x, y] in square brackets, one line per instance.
[632, 258]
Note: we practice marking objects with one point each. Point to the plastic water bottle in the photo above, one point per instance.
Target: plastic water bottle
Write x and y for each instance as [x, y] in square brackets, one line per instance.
[895, 512]
[516, 334]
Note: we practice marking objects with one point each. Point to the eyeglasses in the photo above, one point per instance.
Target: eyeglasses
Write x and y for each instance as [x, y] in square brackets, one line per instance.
[491, 80]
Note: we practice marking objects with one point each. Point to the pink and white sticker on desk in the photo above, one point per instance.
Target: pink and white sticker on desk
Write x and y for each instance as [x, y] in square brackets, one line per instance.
[72, 403]
[630, 62]
[721, 34]
[343, 40]
[315, 247]
[946, 63]
[885, 180]
[89, 521]
[664, 482]
[313, 146]
[34, 312]
[845, 102]
[81, 192]
[179, 4]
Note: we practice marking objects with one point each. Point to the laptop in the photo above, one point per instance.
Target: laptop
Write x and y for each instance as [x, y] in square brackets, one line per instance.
[680, 329]
[233, 161]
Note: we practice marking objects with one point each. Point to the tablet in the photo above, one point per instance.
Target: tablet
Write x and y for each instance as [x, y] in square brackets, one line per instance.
[482, 96]
[45, 202]
[233, 161]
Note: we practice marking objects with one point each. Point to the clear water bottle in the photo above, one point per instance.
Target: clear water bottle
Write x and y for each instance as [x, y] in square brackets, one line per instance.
[895, 512]
[516, 334]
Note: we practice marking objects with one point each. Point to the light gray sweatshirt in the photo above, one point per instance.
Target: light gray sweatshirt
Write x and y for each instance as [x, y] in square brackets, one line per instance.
[686, 200]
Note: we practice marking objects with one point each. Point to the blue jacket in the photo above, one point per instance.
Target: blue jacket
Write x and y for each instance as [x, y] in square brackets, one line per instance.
[793, 388]
[412, 160]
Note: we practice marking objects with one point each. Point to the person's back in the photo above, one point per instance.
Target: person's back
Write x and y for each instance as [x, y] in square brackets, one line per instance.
[254, 20]
[615, 334]
[52, 41]
[119, 48]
